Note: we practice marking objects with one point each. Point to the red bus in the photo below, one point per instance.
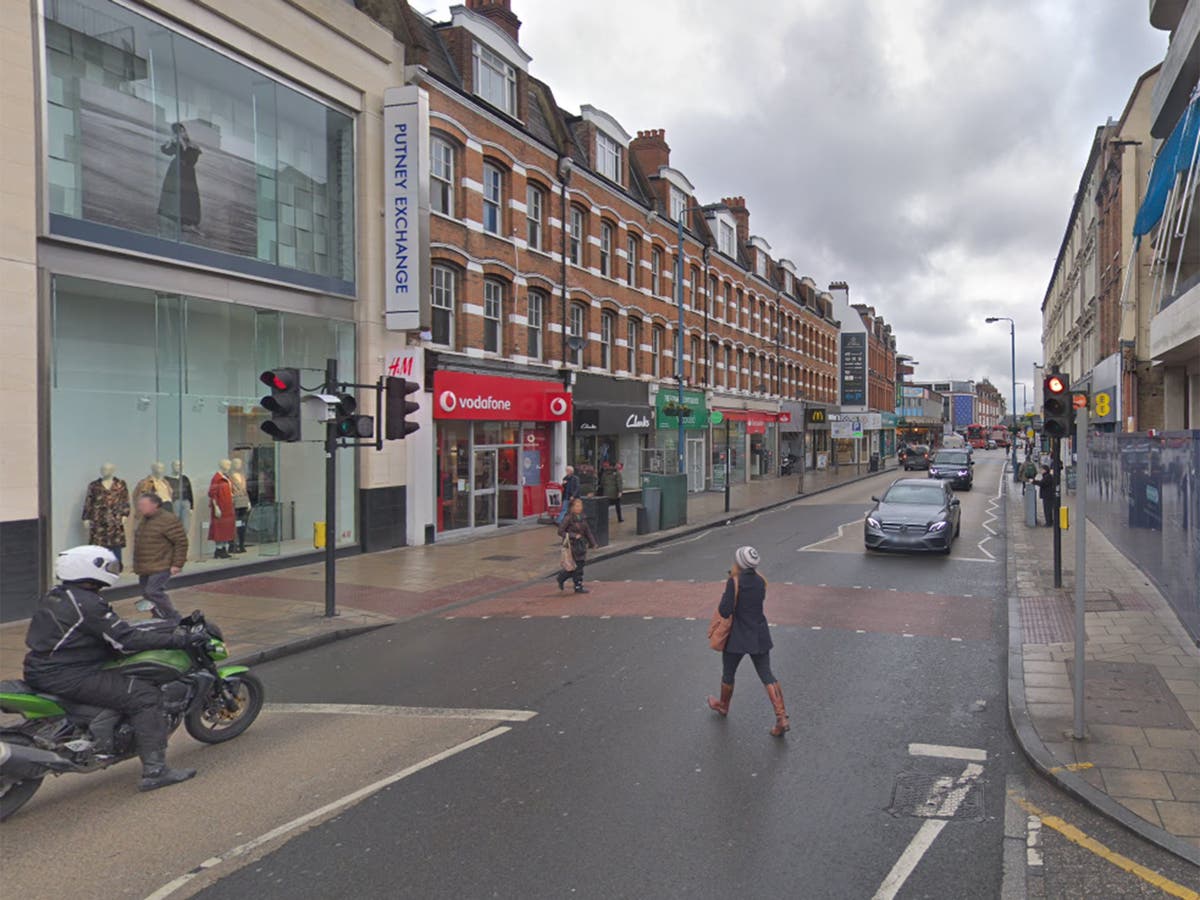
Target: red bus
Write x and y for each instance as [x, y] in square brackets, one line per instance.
[976, 436]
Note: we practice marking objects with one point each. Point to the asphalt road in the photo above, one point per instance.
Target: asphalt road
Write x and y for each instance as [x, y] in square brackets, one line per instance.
[542, 744]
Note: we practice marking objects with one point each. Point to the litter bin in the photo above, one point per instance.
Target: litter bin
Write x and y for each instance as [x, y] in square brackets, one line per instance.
[674, 498]
[649, 514]
[595, 510]
[874, 465]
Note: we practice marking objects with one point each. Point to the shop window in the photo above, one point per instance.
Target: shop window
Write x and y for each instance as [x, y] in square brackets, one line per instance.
[575, 239]
[533, 216]
[634, 340]
[495, 79]
[633, 255]
[441, 176]
[655, 271]
[576, 331]
[537, 306]
[607, 323]
[493, 312]
[155, 140]
[606, 248]
[656, 345]
[168, 380]
[493, 198]
[443, 289]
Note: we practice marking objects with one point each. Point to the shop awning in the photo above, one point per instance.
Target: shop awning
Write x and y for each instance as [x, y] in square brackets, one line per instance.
[756, 420]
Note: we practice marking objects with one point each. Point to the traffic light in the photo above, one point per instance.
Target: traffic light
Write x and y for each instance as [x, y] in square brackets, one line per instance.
[398, 408]
[283, 404]
[1056, 406]
[347, 424]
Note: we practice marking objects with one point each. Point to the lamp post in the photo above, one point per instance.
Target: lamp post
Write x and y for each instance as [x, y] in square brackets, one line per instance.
[683, 213]
[1012, 338]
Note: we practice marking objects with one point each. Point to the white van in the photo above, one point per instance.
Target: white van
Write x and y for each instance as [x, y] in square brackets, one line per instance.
[953, 441]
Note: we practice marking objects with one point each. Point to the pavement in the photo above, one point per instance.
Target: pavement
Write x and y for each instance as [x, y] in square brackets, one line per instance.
[1140, 759]
[264, 616]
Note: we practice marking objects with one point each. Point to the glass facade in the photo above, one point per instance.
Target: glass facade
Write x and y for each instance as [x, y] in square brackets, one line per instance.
[160, 144]
[164, 389]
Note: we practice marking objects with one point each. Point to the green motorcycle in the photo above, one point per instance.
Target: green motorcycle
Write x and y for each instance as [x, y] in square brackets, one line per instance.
[56, 735]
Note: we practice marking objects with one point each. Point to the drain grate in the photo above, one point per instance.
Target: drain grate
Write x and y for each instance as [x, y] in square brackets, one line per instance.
[500, 557]
[937, 797]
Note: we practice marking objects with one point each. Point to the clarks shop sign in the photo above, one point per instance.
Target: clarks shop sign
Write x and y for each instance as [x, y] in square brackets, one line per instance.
[612, 419]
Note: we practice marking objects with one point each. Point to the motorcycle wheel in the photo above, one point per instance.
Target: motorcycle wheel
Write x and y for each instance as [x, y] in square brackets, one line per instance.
[213, 724]
[13, 793]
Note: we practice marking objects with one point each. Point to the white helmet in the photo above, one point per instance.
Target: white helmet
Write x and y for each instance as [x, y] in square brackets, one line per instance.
[88, 563]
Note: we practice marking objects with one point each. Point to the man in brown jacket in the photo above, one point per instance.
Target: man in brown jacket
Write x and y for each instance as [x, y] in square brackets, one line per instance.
[160, 547]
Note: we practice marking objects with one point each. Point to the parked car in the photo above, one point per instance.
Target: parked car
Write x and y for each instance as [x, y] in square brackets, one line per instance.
[954, 466]
[991, 444]
[914, 514]
[917, 457]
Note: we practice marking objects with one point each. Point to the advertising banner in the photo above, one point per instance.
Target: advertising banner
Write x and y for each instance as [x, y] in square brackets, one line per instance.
[666, 406]
[854, 369]
[461, 395]
[406, 205]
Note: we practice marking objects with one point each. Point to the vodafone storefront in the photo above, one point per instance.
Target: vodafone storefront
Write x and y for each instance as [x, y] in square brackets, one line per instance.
[494, 443]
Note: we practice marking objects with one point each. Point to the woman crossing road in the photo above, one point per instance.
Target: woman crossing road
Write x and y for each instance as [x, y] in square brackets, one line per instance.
[577, 537]
[745, 592]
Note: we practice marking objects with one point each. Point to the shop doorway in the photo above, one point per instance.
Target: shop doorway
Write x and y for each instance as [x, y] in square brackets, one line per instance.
[483, 487]
[695, 464]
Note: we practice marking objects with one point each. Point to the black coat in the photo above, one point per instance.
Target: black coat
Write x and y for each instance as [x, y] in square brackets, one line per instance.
[750, 633]
[1046, 486]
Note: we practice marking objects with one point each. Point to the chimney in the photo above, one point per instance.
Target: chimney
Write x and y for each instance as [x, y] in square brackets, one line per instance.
[649, 151]
[737, 206]
[500, 13]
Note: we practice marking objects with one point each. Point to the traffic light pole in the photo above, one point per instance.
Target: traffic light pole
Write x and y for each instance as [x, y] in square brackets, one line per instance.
[1081, 498]
[331, 445]
[1056, 467]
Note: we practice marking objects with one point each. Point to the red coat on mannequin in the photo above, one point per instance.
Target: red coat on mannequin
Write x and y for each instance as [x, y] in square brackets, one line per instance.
[220, 496]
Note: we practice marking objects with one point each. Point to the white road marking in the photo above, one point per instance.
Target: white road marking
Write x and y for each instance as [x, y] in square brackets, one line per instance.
[942, 751]
[948, 798]
[649, 552]
[433, 712]
[841, 530]
[606, 617]
[993, 515]
[301, 821]
[1033, 841]
[527, 617]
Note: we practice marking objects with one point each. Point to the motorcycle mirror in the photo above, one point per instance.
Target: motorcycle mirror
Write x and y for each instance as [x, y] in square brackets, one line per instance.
[144, 606]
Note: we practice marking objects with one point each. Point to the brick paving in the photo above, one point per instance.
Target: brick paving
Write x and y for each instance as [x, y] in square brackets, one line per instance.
[1142, 685]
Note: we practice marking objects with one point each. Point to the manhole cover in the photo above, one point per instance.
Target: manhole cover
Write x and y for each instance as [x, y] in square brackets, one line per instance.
[937, 797]
[502, 558]
[1129, 694]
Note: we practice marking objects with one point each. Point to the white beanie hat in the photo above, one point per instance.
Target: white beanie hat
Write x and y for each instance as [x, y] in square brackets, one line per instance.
[747, 558]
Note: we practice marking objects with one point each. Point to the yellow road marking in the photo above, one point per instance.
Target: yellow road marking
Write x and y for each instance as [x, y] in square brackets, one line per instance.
[1073, 834]
[1071, 767]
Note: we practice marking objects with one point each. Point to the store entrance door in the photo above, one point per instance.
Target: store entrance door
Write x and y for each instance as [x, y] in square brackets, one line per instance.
[483, 488]
[509, 498]
[695, 464]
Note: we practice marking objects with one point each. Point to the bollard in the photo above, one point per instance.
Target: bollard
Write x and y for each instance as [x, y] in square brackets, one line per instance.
[1031, 506]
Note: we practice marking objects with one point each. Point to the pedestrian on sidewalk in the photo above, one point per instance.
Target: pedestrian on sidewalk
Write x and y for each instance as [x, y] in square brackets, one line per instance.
[1045, 483]
[1029, 471]
[577, 537]
[160, 547]
[611, 486]
[570, 491]
[745, 592]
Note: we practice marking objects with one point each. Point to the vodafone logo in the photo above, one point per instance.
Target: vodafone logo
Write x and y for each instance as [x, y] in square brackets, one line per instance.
[558, 406]
[450, 401]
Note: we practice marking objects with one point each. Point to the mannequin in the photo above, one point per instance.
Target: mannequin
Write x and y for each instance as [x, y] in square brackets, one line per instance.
[105, 509]
[241, 505]
[181, 492]
[221, 528]
[156, 483]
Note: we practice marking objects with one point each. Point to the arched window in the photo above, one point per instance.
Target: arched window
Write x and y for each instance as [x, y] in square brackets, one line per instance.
[656, 346]
[493, 198]
[575, 356]
[607, 326]
[493, 315]
[535, 201]
[441, 176]
[634, 339]
[606, 248]
[576, 237]
[534, 323]
[443, 288]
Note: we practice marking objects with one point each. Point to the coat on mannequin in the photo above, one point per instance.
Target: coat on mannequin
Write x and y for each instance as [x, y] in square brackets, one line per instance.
[221, 527]
[158, 484]
[105, 509]
[241, 505]
[181, 492]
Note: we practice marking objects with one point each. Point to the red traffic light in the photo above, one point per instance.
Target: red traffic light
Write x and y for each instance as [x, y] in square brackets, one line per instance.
[1055, 385]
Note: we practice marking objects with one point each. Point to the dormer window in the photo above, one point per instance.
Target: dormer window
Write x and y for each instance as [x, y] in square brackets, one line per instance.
[725, 240]
[495, 80]
[678, 204]
[608, 157]
[760, 264]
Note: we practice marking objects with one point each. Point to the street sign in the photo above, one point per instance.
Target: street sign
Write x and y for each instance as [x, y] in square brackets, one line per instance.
[1102, 404]
[716, 417]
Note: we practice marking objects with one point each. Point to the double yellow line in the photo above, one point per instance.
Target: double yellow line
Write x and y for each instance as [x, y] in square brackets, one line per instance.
[1075, 836]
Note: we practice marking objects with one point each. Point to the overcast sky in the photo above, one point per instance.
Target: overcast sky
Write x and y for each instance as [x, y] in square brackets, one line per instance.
[924, 151]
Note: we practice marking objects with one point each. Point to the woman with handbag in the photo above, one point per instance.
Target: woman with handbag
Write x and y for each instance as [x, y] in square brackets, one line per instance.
[576, 538]
[739, 626]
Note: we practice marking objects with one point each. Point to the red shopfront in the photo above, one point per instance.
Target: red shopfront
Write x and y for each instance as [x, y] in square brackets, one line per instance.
[494, 442]
[756, 434]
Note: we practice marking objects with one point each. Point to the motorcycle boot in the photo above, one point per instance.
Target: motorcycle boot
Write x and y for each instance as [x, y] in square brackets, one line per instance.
[157, 774]
[103, 729]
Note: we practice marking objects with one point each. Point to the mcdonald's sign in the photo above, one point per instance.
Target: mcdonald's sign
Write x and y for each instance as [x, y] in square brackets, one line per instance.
[815, 416]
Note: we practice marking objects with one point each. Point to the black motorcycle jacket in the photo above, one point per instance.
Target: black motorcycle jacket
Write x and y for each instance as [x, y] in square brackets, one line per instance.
[74, 627]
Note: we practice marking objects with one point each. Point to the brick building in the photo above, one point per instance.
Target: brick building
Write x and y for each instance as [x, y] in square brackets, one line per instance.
[989, 404]
[553, 247]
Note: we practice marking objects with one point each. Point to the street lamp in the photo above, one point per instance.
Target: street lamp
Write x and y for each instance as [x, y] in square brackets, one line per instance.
[1012, 337]
[683, 213]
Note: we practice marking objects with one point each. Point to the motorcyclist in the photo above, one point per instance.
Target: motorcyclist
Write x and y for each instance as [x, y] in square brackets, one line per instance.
[75, 632]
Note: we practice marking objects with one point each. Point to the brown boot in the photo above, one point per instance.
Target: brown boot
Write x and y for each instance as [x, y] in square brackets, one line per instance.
[775, 693]
[722, 705]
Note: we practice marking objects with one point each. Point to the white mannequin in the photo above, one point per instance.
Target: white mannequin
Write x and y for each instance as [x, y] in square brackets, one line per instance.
[241, 504]
[156, 482]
